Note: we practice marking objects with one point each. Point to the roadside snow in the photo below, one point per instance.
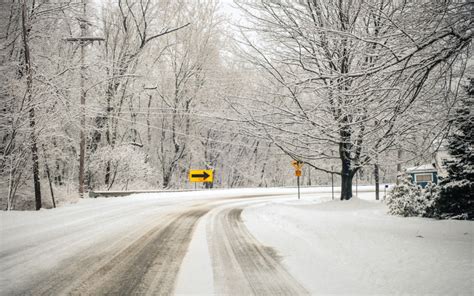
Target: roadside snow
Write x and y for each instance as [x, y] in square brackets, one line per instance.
[354, 247]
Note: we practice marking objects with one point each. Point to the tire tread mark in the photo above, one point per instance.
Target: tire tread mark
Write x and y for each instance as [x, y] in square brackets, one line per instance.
[259, 271]
[145, 265]
[149, 265]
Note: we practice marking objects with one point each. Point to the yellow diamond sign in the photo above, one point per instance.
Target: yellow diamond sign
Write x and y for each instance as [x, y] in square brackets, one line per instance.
[297, 164]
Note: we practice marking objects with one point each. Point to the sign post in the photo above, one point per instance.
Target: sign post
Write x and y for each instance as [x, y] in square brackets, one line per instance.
[298, 182]
[332, 185]
[297, 165]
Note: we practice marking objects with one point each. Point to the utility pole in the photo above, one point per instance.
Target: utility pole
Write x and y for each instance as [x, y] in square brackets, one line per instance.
[83, 41]
[82, 144]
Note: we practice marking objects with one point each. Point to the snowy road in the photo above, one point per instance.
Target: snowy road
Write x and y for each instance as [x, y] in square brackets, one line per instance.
[134, 245]
[237, 242]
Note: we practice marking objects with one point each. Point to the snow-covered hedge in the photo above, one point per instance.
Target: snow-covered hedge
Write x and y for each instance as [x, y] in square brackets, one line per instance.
[408, 199]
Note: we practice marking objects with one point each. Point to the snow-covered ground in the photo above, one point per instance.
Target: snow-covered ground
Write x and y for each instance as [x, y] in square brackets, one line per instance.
[329, 247]
[354, 247]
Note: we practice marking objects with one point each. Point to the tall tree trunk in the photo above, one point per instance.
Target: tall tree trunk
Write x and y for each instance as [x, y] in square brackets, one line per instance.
[29, 85]
[377, 181]
[346, 181]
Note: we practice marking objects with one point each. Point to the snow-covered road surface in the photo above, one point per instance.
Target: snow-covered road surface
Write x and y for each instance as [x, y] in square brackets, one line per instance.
[238, 242]
[122, 245]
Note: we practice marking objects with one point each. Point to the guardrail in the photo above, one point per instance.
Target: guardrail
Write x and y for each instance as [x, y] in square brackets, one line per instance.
[95, 194]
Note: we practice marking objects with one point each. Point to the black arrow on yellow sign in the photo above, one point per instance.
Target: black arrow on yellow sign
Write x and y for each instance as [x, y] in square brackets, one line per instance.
[201, 176]
[204, 175]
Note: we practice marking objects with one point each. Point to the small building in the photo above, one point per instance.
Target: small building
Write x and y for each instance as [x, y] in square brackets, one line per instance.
[423, 174]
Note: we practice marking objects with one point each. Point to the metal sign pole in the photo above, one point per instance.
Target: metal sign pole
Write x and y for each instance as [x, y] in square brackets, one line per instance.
[297, 165]
[298, 181]
[332, 185]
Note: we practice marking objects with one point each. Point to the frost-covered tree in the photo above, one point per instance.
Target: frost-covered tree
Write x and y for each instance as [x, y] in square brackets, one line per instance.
[345, 79]
[34, 72]
[131, 31]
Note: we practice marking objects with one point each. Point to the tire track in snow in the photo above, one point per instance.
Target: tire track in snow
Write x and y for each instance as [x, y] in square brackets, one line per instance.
[243, 266]
[53, 240]
[148, 265]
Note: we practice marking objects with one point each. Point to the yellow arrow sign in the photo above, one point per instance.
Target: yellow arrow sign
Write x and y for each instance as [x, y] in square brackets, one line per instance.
[201, 175]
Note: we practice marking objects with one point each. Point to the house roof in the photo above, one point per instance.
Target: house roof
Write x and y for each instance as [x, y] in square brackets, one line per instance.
[424, 168]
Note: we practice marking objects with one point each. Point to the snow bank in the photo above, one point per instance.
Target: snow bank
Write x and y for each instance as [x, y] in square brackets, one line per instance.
[354, 247]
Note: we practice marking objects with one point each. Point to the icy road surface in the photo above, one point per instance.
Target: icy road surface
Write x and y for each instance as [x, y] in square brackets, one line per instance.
[233, 242]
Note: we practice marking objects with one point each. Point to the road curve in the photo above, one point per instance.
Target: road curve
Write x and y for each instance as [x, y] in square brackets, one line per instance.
[145, 258]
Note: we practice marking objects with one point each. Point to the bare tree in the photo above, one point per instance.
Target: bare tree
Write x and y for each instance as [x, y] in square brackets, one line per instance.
[345, 74]
[129, 28]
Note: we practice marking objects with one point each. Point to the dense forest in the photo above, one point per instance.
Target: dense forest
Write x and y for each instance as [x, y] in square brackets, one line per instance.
[132, 94]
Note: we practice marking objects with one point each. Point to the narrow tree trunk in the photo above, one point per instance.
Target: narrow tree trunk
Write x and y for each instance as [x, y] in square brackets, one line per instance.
[49, 180]
[166, 180]
[399, 162]
[309, 176]
[10, 185]
[29, 85]
[377, 181]
[148, 123]
[107, 174]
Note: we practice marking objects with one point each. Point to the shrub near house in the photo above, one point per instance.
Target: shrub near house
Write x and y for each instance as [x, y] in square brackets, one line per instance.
[408, 199]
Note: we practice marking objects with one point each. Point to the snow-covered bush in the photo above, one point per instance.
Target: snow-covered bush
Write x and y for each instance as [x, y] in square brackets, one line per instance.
[406, 199]
[128, 168]
[430, 195]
